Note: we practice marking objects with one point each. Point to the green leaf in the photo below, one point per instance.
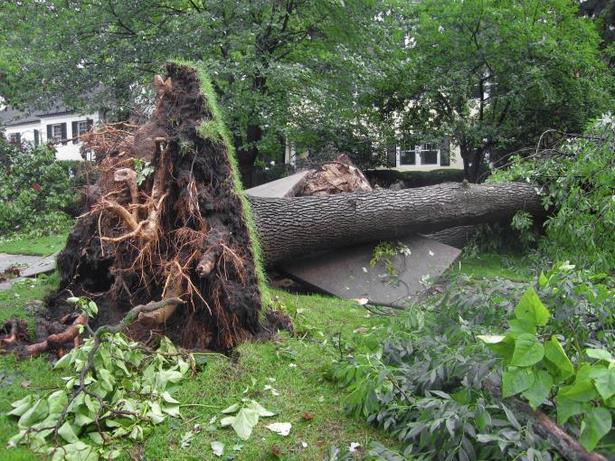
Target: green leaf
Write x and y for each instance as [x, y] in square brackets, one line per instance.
[217, 448]
[57, 401]
[516, 380]
[227, 421]
[555, 353]
[254, 405]
[600, 354]
[542, 280]
[491, 339]
[155, 413]
[36, 413]
[520, 326]
[65, 361]
[605, 384]
[21, 406]
[244, 422]
[528, 351]
[581, 391]
[531, 308]
[232, 409]
[67, 433]
[567, 408]
[596, 424]
[504, 349]
[539, 391]
[83, 418]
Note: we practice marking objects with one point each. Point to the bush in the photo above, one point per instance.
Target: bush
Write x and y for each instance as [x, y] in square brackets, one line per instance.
[35, 191]
[577, 186]
[426, 383]
[410, 179]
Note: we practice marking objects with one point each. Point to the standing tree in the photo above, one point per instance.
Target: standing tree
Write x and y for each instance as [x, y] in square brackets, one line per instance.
[265, 57]
[493, 75]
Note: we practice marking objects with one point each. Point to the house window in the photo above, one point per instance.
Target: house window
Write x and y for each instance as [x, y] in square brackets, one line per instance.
[15, 138]
[80, 127]
[429, 154]
[420, 154]
[407, 157]
[56, 133]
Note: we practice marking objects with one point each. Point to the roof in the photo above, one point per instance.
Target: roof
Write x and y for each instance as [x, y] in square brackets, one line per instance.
[11, 117]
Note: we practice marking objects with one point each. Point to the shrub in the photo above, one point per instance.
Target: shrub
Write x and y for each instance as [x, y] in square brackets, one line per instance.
[35, 191]
[426, 383]
[577, 181]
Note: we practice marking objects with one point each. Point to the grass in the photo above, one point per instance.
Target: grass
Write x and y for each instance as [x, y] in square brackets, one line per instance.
[296, 366]
[513, 267]
[39, 246]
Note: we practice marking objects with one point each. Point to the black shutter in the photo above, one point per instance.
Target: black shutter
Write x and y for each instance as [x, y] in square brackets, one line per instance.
[36, 138]
[90, 123]
[445, 152]
[64, 134]
[392, 157]
[75, 133]
[49, 135]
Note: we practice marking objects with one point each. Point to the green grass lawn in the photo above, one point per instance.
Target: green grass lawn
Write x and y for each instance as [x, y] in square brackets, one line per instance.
[295, 366]
[43, 246]
[515, 267]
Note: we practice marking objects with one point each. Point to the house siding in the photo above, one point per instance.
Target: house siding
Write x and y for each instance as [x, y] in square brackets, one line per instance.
[64, 151]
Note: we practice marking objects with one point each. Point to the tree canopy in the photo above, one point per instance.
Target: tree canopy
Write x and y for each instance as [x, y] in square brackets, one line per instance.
[358, 75]
[266, 57]
[493, 75]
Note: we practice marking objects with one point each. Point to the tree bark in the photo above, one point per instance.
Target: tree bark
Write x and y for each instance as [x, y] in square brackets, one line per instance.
[290, 227]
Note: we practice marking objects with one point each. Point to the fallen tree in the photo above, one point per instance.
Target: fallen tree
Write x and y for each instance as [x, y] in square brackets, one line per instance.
[295, 226]
[167, 219]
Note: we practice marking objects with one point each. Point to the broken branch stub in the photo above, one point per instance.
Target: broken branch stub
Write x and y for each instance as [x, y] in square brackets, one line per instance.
[183, 232]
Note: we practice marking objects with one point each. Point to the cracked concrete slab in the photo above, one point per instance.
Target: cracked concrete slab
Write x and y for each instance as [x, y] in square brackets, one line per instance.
[284, 187]
[29, 266]
[347, 272]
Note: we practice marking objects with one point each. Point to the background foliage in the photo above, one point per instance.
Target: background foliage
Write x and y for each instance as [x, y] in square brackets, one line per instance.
[577, 179]
[36, 192]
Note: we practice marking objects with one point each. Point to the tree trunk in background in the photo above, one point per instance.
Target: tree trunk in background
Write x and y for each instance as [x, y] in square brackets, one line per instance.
[290, 227]
[246, 156]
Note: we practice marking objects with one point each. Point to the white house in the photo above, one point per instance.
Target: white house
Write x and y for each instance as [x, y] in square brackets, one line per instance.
[59, 126]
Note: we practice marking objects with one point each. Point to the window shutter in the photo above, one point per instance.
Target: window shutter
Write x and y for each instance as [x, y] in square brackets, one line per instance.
[75, 133]
[90, 123]
[36, 138]
[49, 135]
[445, 152]
[392, 157]
[64, 134]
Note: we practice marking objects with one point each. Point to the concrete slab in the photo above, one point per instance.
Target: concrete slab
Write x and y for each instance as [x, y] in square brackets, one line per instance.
[284, 187]
[29, 266]
[346, 272]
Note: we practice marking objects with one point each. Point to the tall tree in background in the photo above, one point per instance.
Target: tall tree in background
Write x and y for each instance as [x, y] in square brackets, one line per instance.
[493, 75]
[266, 57]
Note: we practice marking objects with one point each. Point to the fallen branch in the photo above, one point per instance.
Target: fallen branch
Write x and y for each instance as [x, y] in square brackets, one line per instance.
[567, 446]
[128, 319]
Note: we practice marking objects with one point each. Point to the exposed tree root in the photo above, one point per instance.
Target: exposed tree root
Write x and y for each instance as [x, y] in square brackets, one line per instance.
[58, 340]
[167, 221]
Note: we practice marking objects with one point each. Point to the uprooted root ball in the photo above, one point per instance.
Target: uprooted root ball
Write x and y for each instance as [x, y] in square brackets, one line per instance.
[168, 220]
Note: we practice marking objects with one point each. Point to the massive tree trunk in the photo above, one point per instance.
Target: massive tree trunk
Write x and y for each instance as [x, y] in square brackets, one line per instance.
[295, 226]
